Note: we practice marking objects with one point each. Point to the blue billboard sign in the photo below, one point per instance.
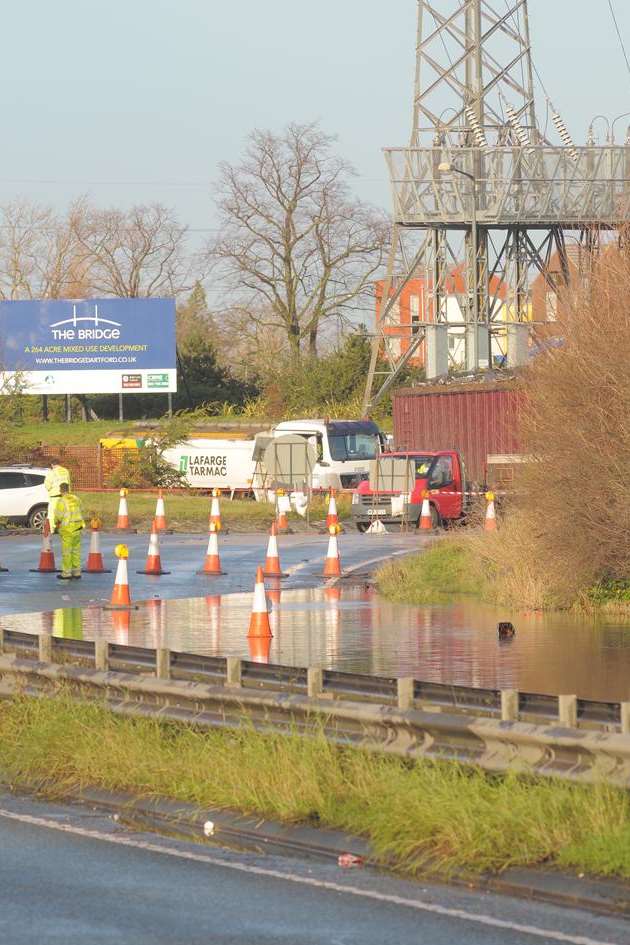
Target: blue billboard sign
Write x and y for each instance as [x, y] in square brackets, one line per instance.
[89, 346]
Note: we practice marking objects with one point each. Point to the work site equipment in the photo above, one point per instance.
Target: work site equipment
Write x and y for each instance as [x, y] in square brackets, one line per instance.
[212, 562]
[95, 563]
[46, 556]
[332, 564]
[122, 522]
[121, 595]
[259, 625]
[154, 561]
[160, 514]
[332, 518]
[490, 522]
[215, 511]
[272, 561]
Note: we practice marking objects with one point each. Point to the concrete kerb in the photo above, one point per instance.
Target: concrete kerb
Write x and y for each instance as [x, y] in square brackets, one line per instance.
[254, 834]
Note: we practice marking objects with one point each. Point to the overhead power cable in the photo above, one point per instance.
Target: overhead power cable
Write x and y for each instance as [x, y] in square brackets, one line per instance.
[619, 36]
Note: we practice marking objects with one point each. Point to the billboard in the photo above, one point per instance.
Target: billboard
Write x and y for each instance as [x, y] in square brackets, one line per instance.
[90, 346]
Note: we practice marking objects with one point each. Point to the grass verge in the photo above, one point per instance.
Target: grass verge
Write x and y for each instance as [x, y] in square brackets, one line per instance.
[189, 513]
[418, 816]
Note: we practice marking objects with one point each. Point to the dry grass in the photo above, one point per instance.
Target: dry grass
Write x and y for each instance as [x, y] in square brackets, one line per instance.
[419, 816]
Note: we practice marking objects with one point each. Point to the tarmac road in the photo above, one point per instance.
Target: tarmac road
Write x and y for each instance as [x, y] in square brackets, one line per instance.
[182, 554]
[71, 876]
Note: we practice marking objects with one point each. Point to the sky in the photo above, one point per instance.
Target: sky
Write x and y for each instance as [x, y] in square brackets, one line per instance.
[137, 101]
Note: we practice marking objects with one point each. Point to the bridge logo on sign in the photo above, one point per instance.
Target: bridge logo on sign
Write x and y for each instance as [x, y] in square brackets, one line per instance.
[69, 329]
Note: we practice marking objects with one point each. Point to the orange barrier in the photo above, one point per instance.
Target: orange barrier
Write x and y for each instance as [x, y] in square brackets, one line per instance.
[259, 625]
[332, 518]
[259, 649]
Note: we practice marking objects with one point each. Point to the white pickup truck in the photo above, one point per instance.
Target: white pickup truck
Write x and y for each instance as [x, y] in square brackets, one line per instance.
[343, 450]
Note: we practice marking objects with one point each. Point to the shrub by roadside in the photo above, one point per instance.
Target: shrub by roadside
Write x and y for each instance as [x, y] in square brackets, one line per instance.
[418, 816]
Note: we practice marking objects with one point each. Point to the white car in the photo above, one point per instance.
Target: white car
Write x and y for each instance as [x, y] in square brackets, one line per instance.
[23, 499]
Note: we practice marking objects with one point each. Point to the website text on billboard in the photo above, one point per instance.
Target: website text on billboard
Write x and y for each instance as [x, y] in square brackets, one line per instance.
[89, 346]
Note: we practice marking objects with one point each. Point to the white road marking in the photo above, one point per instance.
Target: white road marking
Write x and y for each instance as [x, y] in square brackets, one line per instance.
[547, 934]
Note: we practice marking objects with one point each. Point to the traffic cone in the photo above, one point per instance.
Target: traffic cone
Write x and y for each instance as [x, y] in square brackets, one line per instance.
[122, 523]
[332, 565]
[215, 511]
[272, 561]
[332, 517]
[426, 521]
[154, 562]
[46, 556]
[259, 625]
[490, 523]
[160, 513]
[95, 563]
[120, 626]
[212, 562]
[282, 519]
[259, 649]
[121, 597]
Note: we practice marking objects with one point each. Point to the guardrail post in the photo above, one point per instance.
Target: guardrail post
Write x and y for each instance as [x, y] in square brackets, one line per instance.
[509, 705]
[404, 691]
[101, 655]
[163, 663]
[234, 672]
[45, 648]
[567, 711]
[625, 718]
[314, 682]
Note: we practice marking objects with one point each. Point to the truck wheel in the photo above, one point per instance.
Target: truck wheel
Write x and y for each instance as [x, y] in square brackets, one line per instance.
[362, 527]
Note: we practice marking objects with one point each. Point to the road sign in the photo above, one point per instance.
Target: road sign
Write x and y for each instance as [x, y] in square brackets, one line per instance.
[89, 346]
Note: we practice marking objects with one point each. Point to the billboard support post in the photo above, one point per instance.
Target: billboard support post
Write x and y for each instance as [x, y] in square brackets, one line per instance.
[45, 408]
[121, 415]
[68, 409]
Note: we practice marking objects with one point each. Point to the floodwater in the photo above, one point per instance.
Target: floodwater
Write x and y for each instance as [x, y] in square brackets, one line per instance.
[349, 627]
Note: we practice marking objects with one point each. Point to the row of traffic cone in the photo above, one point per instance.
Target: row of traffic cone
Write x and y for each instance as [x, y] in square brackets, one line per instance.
[490, 518]
[122, 521]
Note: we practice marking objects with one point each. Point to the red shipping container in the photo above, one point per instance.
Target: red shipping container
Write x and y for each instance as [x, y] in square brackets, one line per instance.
[474, 420]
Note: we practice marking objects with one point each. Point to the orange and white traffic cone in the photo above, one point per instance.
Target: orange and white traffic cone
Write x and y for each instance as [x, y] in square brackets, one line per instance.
[159, 521]
[122, 522]
[212, 562]
[282, 518]
[490, 523]
[46, 556]
[215, 511]
[121, 597]
[259, 625]
[154, 562]
[272, 561]
[259, 649]
[426, 519]
[95, 563]
[332, 518]
[332, 565]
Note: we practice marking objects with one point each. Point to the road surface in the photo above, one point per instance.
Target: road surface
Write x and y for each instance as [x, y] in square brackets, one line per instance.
[75, 877]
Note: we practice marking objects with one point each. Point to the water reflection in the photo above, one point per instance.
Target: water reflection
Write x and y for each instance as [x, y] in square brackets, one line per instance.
[351, 628]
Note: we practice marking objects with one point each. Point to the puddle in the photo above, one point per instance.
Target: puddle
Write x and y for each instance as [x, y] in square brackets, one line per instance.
[350, 628]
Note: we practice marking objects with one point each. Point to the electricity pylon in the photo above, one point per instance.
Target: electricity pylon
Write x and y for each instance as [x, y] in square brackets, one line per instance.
[481, 187]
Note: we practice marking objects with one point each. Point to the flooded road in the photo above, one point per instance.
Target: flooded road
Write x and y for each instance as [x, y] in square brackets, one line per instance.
[348, 627]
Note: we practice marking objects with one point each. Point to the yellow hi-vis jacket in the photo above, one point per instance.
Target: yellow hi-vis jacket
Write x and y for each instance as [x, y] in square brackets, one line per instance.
[68, 512]
[54, 478]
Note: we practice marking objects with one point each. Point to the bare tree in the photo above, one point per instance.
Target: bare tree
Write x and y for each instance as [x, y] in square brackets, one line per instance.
[295, 248]
[139, 252]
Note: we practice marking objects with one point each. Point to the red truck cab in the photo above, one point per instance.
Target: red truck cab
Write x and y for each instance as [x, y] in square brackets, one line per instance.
[441, 473]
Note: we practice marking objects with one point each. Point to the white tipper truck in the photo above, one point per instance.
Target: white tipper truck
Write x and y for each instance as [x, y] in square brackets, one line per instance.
[344, 449]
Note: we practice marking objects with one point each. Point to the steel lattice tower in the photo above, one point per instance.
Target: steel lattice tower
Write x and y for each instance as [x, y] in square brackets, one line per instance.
[508, 196]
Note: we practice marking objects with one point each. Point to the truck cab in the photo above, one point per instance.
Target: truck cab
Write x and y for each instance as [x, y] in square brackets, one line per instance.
[344, 449]
[396, 485]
